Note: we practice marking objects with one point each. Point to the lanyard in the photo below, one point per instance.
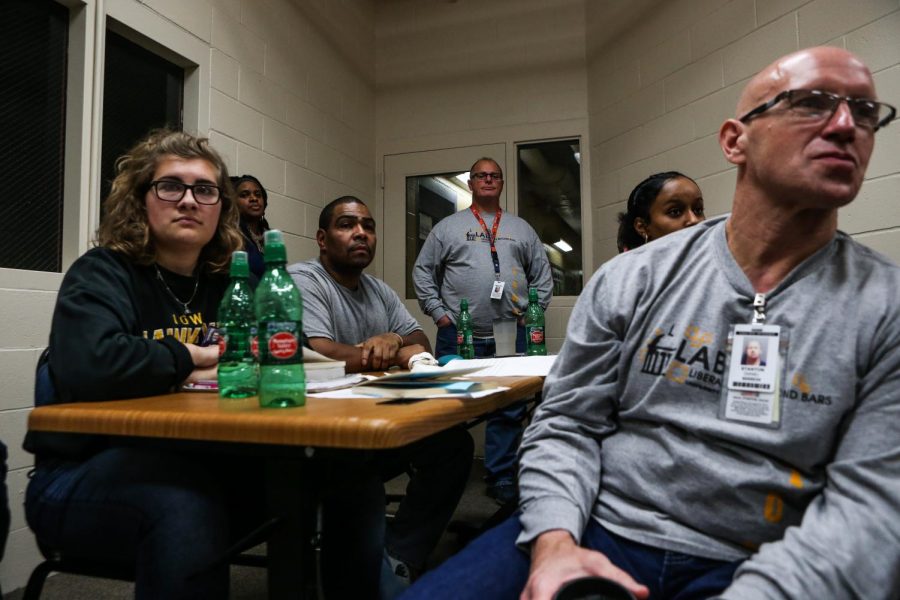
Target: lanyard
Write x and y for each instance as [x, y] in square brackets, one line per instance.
[491, 235]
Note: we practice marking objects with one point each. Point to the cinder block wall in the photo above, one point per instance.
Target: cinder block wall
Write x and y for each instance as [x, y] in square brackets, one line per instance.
[292, 102]
[658, 92]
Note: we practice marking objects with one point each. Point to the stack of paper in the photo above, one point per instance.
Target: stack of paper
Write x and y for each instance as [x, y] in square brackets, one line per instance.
[319, 367]
[427, 382]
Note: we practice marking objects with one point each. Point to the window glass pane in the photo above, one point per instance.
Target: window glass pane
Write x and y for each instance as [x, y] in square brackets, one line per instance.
[430, 198]
[549, 190]
[33, 122]
[141, 91]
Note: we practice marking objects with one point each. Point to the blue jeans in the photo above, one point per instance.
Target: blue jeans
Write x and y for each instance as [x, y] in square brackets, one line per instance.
[439, 468]
[493, 567]
[504, 427]
[171, 515]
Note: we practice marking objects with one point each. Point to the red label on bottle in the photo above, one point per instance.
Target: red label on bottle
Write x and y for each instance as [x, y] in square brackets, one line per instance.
[283, 345]
[460, 339]
[254, 347]
[537, 335]
[223, 344]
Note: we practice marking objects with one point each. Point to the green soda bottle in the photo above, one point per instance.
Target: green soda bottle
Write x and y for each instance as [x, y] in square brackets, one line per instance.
[465, 345]
[237, 371]
[534, 326]
[279, 319]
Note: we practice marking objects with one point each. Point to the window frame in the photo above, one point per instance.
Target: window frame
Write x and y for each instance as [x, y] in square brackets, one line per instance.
[88, 22]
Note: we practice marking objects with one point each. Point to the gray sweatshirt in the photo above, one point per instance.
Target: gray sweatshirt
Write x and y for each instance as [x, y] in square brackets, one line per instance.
[455, 263]
[628, 431]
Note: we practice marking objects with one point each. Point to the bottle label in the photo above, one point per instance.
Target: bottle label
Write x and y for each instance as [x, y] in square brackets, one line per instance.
[536, 335]
[469, 338]
[283, 345]
[223, 344]
[460, 338]
[254, 346]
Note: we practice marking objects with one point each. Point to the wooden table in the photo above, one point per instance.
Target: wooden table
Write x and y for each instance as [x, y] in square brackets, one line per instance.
[352, 424]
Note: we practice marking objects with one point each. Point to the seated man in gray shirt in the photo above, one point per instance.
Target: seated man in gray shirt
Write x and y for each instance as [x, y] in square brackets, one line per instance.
[657, 459]
[351, 316]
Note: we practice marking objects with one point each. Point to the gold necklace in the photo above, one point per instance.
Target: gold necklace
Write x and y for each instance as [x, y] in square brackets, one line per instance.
[257, 238]
[187, 309]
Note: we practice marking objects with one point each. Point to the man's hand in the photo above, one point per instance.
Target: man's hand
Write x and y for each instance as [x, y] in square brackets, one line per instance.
[378, 351]
[204, 356]
[444, 321]
[556, 559]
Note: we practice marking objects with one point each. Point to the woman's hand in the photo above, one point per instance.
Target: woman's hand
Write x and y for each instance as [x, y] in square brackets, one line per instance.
[203, 356]
[204, 374]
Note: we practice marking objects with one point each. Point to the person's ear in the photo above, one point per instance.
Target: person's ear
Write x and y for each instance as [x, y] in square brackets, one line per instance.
[469, 182]
[640, 225]
[733, 141]
[320, 239]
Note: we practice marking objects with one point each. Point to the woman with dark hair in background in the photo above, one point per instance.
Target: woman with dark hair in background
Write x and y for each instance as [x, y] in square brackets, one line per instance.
[252, 200]
[661, 204]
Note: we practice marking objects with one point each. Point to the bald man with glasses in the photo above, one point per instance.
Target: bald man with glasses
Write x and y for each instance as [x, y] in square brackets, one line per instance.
[657, 459]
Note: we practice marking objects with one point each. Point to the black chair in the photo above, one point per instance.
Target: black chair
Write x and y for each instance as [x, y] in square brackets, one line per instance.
[56, 562]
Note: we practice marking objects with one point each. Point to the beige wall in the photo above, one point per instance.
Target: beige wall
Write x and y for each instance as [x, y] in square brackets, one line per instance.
[289, 98]
[304, 94]
[293, 106]
[659, 91]
[453, 74]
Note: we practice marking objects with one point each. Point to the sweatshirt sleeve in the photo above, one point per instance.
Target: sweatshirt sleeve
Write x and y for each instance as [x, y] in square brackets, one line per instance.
[848, 543]
[560, 468]
[538, 270]
[96, 349]
[426, 276]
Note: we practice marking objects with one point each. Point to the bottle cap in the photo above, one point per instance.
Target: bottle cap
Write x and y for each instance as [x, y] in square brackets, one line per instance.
[274, 247]
[239, 265]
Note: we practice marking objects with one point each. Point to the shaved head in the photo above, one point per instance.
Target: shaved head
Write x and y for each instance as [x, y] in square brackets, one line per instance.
[782, 74]
[802, 160]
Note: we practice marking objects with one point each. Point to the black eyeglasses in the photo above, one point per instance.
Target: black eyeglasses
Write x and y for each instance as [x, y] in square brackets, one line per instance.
[819, 105]
[174, 191]
[482, 175]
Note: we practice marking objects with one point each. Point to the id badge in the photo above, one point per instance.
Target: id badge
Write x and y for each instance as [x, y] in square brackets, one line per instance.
[752, 393]
[497, 290]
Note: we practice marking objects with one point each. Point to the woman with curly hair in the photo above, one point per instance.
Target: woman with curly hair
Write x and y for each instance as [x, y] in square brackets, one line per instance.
[129, 321]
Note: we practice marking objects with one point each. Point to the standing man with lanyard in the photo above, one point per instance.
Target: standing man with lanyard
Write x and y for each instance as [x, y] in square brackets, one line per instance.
[469, 255]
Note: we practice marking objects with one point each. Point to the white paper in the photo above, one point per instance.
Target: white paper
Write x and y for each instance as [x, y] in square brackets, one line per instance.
[348, 393]
[509, 366]
[333, 384]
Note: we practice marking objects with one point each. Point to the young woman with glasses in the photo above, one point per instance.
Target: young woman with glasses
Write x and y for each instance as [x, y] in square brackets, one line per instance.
[131, 318]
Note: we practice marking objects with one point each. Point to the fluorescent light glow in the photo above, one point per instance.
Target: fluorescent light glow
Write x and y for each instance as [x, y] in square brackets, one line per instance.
[562, 245]
[464, 178]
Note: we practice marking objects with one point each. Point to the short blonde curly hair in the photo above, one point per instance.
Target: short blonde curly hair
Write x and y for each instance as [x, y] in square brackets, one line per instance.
[124, 226]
